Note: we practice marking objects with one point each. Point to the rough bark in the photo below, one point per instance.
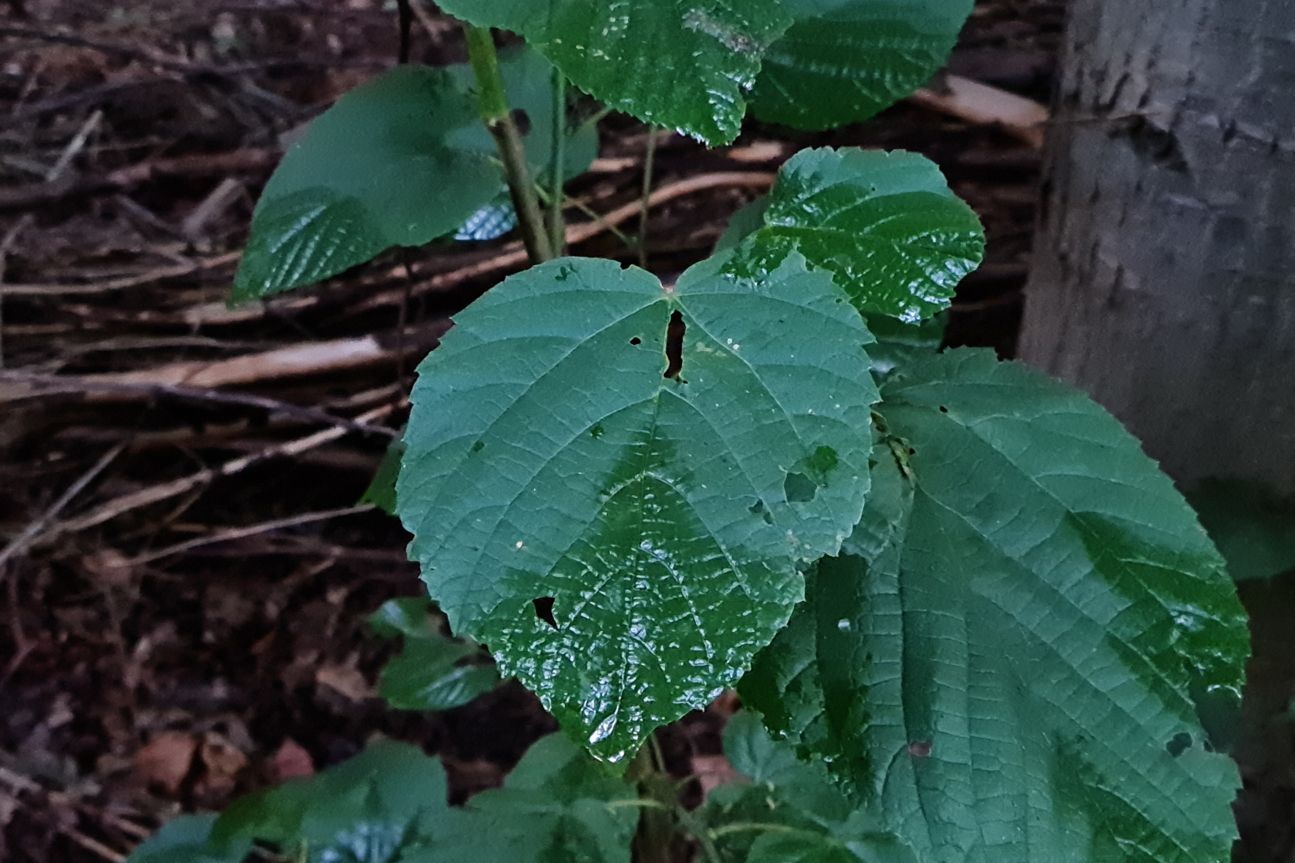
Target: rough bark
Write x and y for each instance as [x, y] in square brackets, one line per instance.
[1164, 274]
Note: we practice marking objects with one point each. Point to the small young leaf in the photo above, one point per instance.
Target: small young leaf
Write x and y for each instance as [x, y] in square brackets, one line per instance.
[622, 538]
[431, 671]
[1010, 658]
[886, 226]
[683, 64]
[556, 805]
[844, 60]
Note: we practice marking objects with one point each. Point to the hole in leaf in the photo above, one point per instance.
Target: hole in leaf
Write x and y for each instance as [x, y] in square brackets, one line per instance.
[758, 508]
[799, 488]
[636, 341]
[1181, 742]
[596, 431]
[943, 409]
[544, 610]
[674, 345]
[478, 446]
[920, 749]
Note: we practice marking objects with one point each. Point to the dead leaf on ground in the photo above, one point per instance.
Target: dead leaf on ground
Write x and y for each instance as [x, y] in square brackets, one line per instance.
[291, 761]
[163, 763]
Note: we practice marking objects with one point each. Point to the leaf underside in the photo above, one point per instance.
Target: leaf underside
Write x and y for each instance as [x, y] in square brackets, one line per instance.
[623, 541]
[843, 61]
[682, 64]
[885, 224]
[1009, 655]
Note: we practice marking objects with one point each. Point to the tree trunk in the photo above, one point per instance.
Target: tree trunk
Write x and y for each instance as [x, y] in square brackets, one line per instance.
[1163, 280]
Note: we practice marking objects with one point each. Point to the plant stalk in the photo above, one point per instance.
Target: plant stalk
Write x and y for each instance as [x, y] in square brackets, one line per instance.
[557, 167]
[492, 104]
[655, 838]
[649, 164]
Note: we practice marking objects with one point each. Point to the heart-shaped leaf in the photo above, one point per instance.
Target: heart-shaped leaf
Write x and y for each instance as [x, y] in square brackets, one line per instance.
[886, 225]
[1010, 658]
[844, 60]
[683, 64]
[609, 482]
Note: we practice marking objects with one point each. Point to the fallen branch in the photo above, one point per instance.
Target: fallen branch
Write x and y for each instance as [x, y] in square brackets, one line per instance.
[981, 104]
[117, 390]
[29, 534]
[165, 491]
[244, 532]
[124, 179]
[196, 378]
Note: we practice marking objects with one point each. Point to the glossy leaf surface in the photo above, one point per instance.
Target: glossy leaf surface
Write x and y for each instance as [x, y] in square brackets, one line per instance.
[623, 535]
[683, 64]
[844, 60]
[1010, 656]
[432, 671]
[886, 226]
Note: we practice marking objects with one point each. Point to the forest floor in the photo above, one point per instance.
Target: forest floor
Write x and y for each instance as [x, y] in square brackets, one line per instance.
[186, 572]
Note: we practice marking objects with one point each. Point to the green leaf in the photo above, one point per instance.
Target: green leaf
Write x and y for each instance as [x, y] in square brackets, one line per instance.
[746, 221]
[624, 541]
[490, 222]
[376, 170]
[899, 345]
[528, 81]
[1008, 660]
[187, 839]
[361, 811]
[791, 811]
[845, 60]
[683, 64]
[382, 488]
[1253, 527]
[886, 226]
[556, 806]
[433, 671]
[400, 161]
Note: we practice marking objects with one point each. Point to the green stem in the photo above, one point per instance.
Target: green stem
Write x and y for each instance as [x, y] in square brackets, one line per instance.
[492, 104]
[756, 827]
[557, 167]
[655, 838]
[649, 161]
